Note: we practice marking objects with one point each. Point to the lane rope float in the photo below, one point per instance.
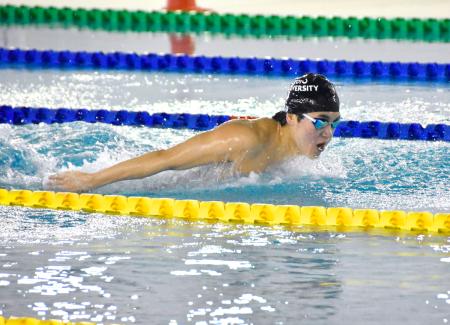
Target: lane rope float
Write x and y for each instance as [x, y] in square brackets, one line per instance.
[35, 321]
[231, 212]
[429, 30]
[200, 122]
[286, 67]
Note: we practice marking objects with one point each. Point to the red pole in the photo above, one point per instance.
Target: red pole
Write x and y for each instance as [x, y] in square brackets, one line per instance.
[182, 44]
[184, 5]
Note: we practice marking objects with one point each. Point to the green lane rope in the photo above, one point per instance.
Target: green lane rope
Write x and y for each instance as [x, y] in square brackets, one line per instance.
[430, 30]
[235, 212]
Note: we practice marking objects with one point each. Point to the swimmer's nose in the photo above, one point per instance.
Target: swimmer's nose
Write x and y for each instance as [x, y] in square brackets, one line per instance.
[327, 132]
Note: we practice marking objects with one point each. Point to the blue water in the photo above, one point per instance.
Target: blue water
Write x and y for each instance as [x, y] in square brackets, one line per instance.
[106, 269]
[359, 173]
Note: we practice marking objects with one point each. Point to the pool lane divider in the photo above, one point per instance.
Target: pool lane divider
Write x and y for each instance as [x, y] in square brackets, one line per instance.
[284, 67]
[231, 212]
[35, 321]
[429, 30]
[200, 122]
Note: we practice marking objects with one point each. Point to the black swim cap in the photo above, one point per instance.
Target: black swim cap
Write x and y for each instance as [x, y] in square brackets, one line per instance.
[312, 93]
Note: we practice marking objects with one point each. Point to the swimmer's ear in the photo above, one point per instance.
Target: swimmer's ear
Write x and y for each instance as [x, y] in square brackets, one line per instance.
[291, 119]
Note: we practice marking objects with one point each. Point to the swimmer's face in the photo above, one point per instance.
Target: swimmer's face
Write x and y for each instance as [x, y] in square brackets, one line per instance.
[310, 141]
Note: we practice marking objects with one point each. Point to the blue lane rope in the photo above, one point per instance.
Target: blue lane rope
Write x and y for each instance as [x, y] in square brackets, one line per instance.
[392, 71]
[347, 129]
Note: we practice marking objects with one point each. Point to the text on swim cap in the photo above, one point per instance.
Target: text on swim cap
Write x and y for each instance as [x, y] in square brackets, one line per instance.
[305, 88]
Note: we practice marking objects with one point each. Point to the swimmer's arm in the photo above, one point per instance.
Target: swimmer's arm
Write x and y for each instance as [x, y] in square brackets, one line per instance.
[219, 145]
[222, 144]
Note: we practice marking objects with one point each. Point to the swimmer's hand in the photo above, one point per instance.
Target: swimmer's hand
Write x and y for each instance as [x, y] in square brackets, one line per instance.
[72, 181]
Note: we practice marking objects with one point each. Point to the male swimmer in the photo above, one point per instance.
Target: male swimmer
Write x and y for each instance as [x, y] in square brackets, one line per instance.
[305, 127]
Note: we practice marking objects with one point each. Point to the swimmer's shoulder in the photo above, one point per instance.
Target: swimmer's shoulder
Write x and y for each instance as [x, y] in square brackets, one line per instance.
[260, 128]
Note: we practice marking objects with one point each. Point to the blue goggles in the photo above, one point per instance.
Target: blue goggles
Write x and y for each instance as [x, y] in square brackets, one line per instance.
[321, 123]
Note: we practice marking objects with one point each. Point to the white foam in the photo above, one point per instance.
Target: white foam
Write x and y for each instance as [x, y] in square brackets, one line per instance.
[216, 176]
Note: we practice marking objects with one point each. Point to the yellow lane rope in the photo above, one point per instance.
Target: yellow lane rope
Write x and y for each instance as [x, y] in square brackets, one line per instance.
[237, 212]
[34, 321]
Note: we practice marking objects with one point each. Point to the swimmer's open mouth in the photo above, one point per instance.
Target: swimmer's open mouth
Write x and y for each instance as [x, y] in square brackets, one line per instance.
[321, 146]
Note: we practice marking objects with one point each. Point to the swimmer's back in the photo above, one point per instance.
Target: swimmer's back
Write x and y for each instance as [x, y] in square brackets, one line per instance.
[250, 139]
[260, 128]
[256, 132]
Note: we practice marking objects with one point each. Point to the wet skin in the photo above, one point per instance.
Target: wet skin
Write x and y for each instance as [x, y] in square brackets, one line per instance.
[250, 145]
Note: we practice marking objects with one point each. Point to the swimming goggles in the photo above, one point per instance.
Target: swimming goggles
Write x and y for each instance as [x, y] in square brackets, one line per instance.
[321, 123]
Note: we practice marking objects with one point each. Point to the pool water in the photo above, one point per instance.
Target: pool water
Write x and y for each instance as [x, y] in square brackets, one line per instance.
[106, 269]
[359, 173]
[131, 270]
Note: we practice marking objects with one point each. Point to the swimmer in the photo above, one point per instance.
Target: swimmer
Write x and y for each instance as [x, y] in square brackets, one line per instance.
[304, 127]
